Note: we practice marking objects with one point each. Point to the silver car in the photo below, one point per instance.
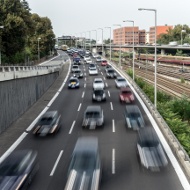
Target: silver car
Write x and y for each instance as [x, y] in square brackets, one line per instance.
[85, 166]
[93, 117]
[121, 82]
[98, 83]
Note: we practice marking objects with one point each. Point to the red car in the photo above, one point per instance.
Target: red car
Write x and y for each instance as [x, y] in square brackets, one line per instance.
[104, 62]
[126, 95]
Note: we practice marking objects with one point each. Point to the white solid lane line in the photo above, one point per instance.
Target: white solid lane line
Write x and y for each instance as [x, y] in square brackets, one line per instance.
[83, 94]
[72, 126]
[108, 93]
[79, 107]
[56, 163]
[113, 161]
[113, 126]
[111, 105]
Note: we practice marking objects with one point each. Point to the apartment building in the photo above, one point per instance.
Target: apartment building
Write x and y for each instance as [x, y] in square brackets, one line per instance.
[124, 35]
[159, 30]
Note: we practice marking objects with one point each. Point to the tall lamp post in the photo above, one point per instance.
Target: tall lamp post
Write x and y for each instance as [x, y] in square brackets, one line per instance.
[90, 40]
[96, 38]
[110, 42]
[181, 36]
[155, 54]
[102, 39]
[133, 47]
[120, 45]
[1, 27]
[39, 49]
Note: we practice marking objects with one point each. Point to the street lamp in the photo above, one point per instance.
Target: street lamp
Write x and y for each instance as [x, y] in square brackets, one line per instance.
[133, 48]
[102, 39]
[110, 42]
[96, 38]
[120, 45]
[39, 49]
[181, 35]
[1, 27]
[90, 40]
[155, 54]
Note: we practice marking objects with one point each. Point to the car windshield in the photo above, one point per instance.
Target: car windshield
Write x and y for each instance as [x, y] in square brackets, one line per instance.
[98, 81]
[75, 67]
[92, 114]
[73, 81]
[111, 71]
[126, 92]
[45, 121]
[77, 72]
[92, 68]
[98, 92]
[121, 80]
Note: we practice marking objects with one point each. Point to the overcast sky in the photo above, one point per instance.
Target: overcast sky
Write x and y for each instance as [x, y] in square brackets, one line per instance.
[72, 17]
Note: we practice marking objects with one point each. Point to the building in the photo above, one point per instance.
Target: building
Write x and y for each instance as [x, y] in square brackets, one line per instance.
[160, 30]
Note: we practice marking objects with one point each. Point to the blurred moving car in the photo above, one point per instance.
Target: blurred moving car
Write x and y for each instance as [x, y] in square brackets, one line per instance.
[150, 151]
[18, 170]
[85, 167]
[93, 71]
[88, 60]
[107, 67]
[74, 68]
[98, 95]
[98, 83]
[111, 73]
[78, 73]
[49, 123]
[77, 60]
[93, 117]
[98, 59]
[73, 82]
[121, 82]
[133, 117]
[126, 95]
[104, 62]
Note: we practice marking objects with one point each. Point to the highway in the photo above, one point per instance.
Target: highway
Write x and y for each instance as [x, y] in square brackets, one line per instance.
[121, 169]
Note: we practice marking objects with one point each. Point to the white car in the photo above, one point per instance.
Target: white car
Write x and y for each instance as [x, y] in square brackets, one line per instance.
[88, 60]
[93, 71]
[121, 82]
[98, 59]
[74, 68]
[98, 83]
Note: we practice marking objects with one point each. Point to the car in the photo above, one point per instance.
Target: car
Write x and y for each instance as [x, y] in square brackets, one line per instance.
[93, 117]
[133, 117]
[94, 55]
[88, 60]
[149, 150]
[126, 95]
[74, 68]
[98, 95]
[111, 73]
[86, 57]
[120, 82]
[98, 83]
[78, 73]
[107, 67]
[73, 83]
[98, 59]
[85, 167]
[49, 123]
[77, 60]
[93, 71]
[104, 62]
[18, 169]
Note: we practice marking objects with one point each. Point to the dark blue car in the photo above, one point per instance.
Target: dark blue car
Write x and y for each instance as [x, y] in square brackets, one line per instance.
[77, 60]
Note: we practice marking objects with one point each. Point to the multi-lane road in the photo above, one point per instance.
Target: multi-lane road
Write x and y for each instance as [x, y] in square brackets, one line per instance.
[121, 169]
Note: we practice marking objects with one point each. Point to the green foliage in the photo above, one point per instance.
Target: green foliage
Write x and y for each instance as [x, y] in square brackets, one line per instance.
[182, 80]
[21, 30]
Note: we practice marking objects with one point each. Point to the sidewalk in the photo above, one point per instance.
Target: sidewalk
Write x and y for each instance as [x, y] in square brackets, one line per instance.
[8, 137]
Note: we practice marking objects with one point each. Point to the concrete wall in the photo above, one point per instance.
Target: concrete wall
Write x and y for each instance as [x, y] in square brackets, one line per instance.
[17, 95]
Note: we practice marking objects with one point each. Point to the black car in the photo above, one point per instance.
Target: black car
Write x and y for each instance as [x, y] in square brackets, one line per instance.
[49, 123]
[85, 167]
[98, 95]
[18, 170]
[110, 73]
[150, 151]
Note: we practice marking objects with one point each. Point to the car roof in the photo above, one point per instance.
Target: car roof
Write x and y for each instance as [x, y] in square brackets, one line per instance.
[75, 78]
[86, 144]
[93, 108]
[119, 77]
[50, 114]
[132, 109]
[97, 79]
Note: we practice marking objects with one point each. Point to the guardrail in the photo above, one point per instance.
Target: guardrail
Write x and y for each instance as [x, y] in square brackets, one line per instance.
[175, 145]
[14, 72]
